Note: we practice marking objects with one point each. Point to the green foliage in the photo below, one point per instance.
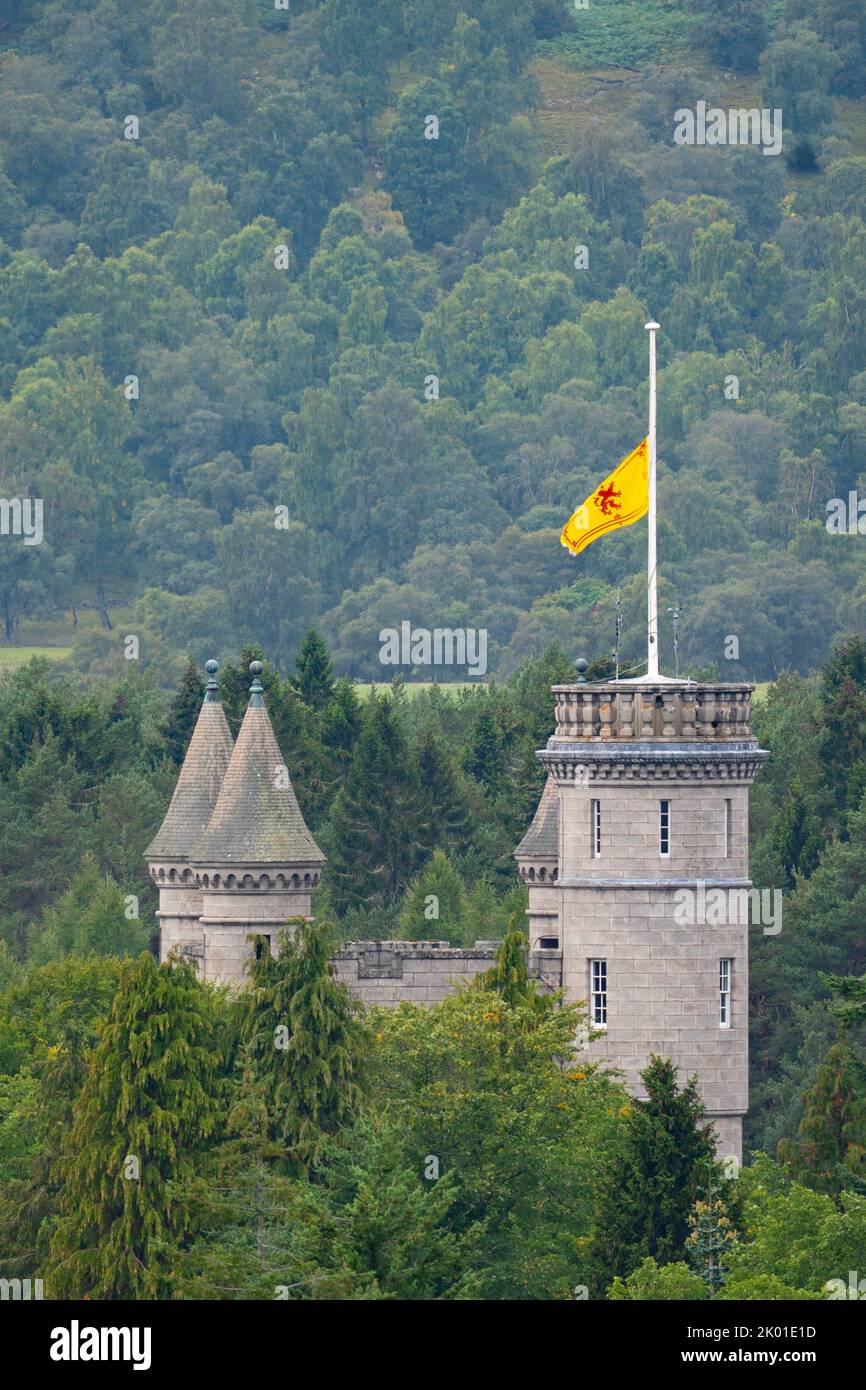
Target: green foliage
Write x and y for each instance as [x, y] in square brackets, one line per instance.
[475, 1084]
[666, 1283]
[651, 1188]
[148, 1104]
[304, 1041]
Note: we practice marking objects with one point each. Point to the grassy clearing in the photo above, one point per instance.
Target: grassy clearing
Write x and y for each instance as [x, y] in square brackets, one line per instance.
[623, 33]
[13, 657]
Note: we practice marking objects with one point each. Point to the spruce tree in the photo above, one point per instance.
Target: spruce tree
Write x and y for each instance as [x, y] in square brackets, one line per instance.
[148, 1106]
[446, 817]
[315, 679]
[648, 1191]
[375, 848]
[183, 713]
[90, 918]
[434, 906]
[796, 840]
[306, 1041]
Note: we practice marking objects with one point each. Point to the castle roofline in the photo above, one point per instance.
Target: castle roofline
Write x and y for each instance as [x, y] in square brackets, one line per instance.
[256, 819]
[198, 784]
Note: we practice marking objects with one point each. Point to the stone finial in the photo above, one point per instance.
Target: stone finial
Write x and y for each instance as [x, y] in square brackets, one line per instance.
[257, 690]
[212, 691]
[581, 666]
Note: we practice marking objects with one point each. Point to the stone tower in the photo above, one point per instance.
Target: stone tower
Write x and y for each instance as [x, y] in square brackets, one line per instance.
[169, 854]
[652, 780]
[256, 862]
[537, 858]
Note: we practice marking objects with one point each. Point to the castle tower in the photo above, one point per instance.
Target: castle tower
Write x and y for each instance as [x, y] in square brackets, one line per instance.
[537, 858]
[195, 795]
[653, 779]
[256, 863]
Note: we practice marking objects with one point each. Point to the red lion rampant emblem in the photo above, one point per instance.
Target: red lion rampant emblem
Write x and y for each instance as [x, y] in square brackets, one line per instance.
[605, 500]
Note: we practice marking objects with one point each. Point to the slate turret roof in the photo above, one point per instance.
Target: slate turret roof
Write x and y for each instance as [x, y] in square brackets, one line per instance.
[541, 840]
[198, 785]
[257, 819]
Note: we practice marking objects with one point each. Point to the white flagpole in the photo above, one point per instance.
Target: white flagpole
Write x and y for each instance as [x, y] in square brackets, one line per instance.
[652, 658]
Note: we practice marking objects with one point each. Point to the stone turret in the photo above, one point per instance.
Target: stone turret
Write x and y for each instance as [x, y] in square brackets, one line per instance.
[195, 795]
[537, 858]
[653, 782]
[256, 863]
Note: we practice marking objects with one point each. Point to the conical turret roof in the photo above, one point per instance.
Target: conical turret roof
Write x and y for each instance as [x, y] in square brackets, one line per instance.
[198, 785]
[257, 819]
[541, 840]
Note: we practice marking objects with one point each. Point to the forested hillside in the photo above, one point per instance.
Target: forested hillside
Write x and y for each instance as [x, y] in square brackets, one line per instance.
[273, 358]
[321, 319]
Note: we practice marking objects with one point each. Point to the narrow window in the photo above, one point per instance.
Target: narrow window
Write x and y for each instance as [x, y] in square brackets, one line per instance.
[596, 829]
[728, 823]
[724, 993]
[598, 993]
[664, 827]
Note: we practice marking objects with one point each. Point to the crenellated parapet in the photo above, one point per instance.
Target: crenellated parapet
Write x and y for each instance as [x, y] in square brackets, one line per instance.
[654, 711]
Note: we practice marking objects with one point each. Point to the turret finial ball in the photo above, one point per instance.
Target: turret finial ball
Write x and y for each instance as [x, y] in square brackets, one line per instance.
[256, 668]
[211, 667]
[581, 664]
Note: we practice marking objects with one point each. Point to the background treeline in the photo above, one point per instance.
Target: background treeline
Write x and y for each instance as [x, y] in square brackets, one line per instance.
[303, 388]
[160, 1140]
[413, 798]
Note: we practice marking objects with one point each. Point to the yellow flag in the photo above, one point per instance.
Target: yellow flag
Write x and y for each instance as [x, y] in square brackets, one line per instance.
[622, 498]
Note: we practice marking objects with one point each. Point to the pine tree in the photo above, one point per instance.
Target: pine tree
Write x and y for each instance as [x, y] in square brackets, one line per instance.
[306, 1042]
[648, 1191]
[375, 848]
[149, 1104]
[315, 679]
[183, 713]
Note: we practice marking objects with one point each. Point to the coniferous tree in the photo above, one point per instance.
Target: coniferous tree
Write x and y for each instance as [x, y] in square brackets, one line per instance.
[648, 1191]
[434, 906]
[509, 976]
[306, 1042]
[447, 822]
[829, 1152]
[796, 842]
[374, 850]
[149, 1104]
[315, 679]
[183, 713]
[90, 918]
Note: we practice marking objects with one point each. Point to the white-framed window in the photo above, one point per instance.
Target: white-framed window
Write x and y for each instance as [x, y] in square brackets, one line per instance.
[664, 827]
[598, 993]
[596, 829]
[729, 820]
[725, 993]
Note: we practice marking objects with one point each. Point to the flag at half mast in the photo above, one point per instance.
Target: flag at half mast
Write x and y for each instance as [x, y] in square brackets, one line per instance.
[622, 498]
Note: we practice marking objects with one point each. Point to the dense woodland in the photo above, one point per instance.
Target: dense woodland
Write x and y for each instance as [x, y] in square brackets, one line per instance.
[300, 396]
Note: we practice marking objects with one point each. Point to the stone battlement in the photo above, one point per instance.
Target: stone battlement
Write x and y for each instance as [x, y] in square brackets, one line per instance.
[423, 972]
[660, 711]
